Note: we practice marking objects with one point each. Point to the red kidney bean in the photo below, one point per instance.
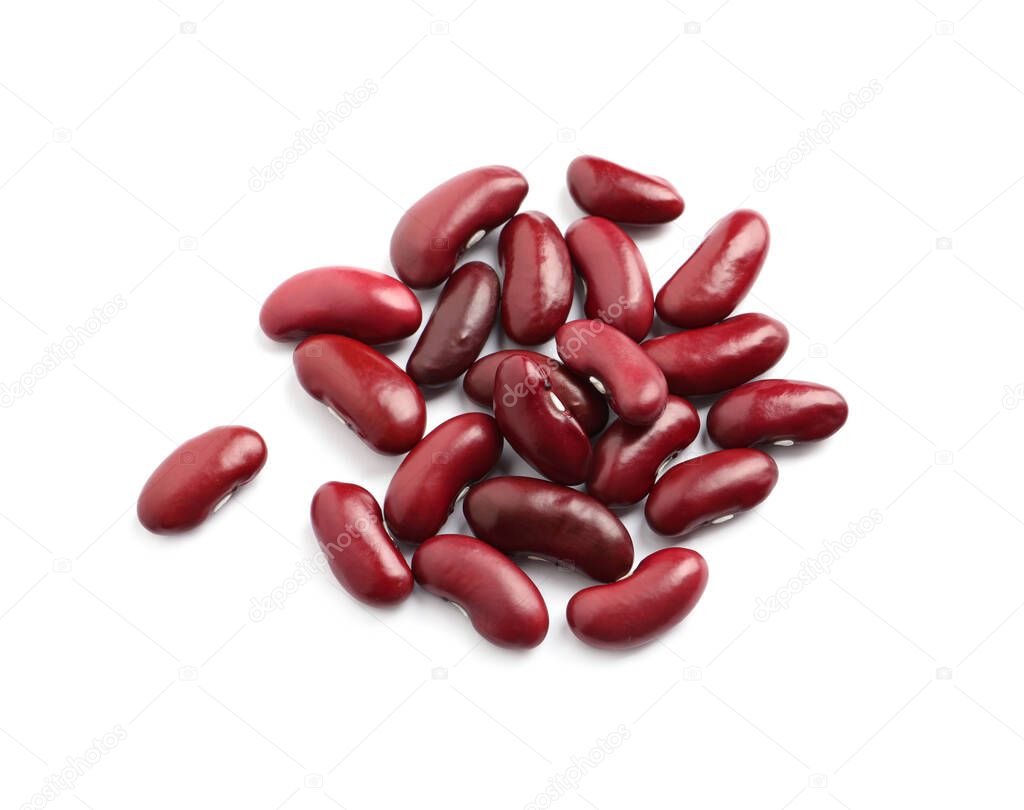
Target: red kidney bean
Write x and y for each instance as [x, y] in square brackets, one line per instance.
[618, 289]
[503, 604]
[430, 479]
[635, 386]
[361, 304]
[537, 289]
[627, 457]
[437, 228]
[712, 282]
[537, 425]
[780, 412]
[350, 529]
[710, 489]
[657, 596]
[609, 190]
[458, 327]
[368, 392]
[199, 476]
[585, 403]
[716, 358]
[533, 518]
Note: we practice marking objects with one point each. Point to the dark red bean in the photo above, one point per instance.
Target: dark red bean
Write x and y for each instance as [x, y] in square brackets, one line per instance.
[627, 457]
[537, 425]
[429, 480]
[609, 190]
[537, 289]
[349, 526]
[710, 489]
[503, 604]
[533, 518]
[194, 480]
[361, 304]
[437, 228]
[716, 358]
[779, 412]
[585, 403]
[368, 392]
[635, 386]
[618, 289]
[657, 596]
[458, 327]
[712, 282]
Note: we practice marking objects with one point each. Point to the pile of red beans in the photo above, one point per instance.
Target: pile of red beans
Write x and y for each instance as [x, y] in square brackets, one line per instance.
[552, 413]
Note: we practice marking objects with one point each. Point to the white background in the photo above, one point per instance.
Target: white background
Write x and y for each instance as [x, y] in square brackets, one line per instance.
[129, 134]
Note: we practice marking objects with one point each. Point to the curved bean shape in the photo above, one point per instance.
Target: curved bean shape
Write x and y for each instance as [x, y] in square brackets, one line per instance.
[361, 304]
[710, 489]
[657, 596]
[609, 190]
[618, 288]
[780, 412]
[533, 518]
[437, 228]
[503, 604]
[716, 358]
[350, 529]
[712, 282]
[588, 407]
[537, 290]
[426, 485]
[627, 457]
[194, 480]
[368, 392]
[635, 386]
[458, 327]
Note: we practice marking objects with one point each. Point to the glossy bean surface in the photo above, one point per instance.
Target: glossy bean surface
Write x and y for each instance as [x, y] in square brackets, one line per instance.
[424, 489]
[458, 327]
[532, 518]
[198, 476]
[627, 457]
[502, 602]
[780, 412]
[435, 230]
[712, 282]
[361, 304]
[657, 596]
[349, 526]
[368, 392]
[709, 488]
[609, 190]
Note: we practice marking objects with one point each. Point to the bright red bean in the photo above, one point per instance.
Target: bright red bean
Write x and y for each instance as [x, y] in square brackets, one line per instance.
[350, 529]
[635, 386]
[437, 228]
[537, 290]
[780, 412]
[710, 489]
[618, 288]
[503, 604]
[539, 428]
[609, 190]
[370, 394]
[657, 596]
[585, 403]
[533, 518]
[458, 327]
[716, 358]
[627, 457]
[429, 480]
[712, 282]
[361, 304]
[194, 480]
